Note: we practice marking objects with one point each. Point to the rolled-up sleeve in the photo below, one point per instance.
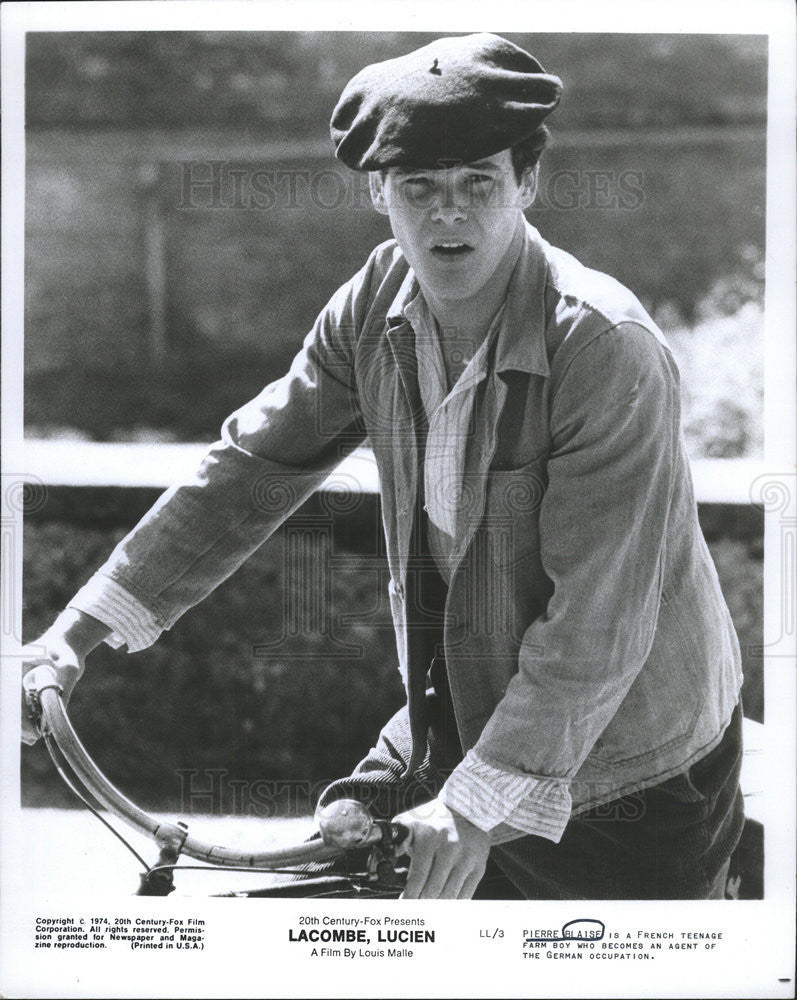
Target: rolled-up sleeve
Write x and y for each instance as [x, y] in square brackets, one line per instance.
[131, 623]
[603, 518]
[504, 804]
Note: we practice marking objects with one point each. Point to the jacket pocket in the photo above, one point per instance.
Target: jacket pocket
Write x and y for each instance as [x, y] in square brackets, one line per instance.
[512, 512]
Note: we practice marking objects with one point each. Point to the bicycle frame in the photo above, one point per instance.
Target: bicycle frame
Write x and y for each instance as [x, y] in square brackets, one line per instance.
[344, 824]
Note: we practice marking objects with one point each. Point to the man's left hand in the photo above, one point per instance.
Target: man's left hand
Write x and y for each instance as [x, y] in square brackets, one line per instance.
[448, 854]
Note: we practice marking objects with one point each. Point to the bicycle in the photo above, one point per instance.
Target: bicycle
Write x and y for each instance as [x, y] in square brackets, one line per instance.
[345, 825]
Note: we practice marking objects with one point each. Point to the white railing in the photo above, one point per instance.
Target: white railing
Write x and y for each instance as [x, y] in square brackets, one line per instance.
[158, 465]
[88, 463]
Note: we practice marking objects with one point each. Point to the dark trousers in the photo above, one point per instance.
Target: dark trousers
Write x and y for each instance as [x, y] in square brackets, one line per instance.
[670, 841]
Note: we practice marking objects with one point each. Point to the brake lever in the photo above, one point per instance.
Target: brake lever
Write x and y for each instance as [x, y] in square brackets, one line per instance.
[35, 681]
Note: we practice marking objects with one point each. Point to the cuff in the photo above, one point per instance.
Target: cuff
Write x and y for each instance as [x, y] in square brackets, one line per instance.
[507, 804]
[132, 623]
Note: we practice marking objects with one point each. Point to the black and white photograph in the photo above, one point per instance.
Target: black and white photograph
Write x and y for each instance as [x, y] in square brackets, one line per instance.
[398, 501]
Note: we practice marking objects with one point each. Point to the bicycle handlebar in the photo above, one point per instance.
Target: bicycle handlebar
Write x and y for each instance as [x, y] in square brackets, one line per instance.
[344, 824]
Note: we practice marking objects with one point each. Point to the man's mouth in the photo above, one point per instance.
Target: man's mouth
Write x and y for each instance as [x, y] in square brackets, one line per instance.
[451, 248]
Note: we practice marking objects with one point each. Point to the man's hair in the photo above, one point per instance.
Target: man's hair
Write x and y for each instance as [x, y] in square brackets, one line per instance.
[526, 154]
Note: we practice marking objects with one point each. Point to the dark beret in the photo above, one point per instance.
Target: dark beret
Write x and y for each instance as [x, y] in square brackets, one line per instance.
[453, 101]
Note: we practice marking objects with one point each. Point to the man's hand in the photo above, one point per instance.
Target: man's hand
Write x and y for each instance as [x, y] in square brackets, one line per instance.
[65, 663]
[448, 854]
[63, 648]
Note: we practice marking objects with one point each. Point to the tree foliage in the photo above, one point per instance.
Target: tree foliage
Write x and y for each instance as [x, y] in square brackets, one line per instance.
[291, 80]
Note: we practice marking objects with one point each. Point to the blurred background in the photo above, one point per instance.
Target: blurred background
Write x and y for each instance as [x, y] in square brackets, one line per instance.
[185, 222]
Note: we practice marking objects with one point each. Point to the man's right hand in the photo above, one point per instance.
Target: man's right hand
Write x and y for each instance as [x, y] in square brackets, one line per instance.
[63, 648]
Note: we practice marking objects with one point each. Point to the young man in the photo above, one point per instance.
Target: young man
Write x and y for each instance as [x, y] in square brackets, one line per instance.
[546, 562]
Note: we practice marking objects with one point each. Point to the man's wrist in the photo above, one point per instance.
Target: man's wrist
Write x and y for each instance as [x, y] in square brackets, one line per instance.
[460, 817]
[79, 630]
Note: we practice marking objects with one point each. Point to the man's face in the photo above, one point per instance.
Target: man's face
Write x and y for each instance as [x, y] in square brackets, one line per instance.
[454, 226]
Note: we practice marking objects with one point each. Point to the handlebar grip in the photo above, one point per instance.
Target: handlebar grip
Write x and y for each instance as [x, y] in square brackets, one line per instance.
[34, 682]
[39, 679]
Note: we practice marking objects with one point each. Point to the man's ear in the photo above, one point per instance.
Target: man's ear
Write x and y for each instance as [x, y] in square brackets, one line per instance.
[528, 185]
[376, 182]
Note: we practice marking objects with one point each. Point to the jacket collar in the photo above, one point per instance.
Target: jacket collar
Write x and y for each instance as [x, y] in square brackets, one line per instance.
[521, 337]
[407, 292]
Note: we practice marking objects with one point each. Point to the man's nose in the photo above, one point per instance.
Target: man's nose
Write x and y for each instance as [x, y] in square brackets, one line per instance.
[451, 204]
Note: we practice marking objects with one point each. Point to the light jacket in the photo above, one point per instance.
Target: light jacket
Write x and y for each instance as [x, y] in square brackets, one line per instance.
[588, 645]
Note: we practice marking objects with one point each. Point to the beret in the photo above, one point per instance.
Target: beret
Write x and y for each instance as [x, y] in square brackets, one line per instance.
[455, 100]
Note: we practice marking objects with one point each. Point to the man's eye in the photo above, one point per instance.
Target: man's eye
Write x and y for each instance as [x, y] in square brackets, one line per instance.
[480, 180]
[418, 191]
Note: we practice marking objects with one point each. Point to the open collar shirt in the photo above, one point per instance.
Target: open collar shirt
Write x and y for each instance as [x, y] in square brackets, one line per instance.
[489, 797]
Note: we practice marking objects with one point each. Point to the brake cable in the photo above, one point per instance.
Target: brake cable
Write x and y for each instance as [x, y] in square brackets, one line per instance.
[59, 760]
